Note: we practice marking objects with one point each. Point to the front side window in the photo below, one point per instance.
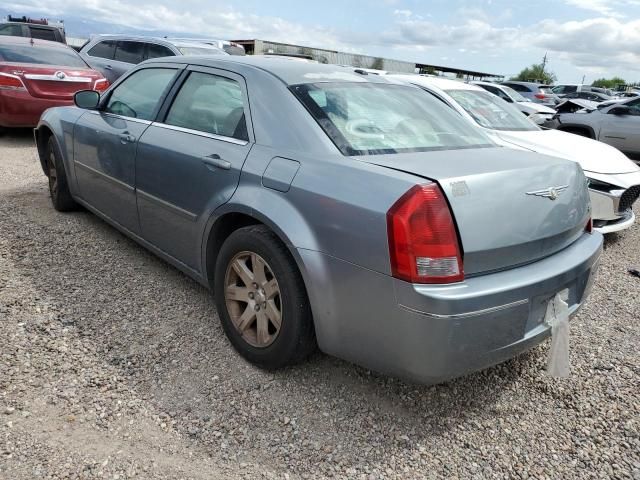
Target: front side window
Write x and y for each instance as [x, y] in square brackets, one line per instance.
[43, 33]
[211, 104]
[39, 54]
[12, 30]
[139, 95]
[372, 119]
[104, 49]
[130, 52]
[491, 112]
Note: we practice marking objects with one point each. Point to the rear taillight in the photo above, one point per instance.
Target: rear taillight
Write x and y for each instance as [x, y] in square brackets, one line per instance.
[423, 243]
[589, 226]
[540, 96]
[101, 85]
[11, 82]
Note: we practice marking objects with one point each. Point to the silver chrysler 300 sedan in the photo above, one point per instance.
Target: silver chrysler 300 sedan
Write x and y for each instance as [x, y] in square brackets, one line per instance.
[329, 207]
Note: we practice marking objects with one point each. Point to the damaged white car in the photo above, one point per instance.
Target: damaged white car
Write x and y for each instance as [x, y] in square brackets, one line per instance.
[614, 179]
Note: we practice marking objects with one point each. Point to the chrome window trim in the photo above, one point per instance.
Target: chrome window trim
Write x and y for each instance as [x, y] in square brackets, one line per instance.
[104, 176]
[213, 136]
[168, 206]
[115, 115]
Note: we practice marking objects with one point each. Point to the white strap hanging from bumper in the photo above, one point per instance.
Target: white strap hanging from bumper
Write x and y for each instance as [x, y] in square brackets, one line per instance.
[557, 316]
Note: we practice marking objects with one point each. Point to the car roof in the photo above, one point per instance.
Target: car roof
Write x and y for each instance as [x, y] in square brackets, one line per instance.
[158, 40]
[537, 84]
[290, 71]
[438, 82]
[10, 40]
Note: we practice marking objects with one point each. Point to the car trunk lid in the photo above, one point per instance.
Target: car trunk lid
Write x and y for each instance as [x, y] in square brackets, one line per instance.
[52, 82]
[511, 207]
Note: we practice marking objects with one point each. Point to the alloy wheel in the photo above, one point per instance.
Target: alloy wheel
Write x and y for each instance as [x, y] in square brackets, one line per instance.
[253, 300]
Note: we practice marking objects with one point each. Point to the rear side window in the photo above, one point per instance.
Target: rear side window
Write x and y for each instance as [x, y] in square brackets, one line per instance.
[211, 104]
[139, 94]
[570, 88]
[130, 52]
[104, 49]
[39, 54]
[158, 51]
[12, 30]
[43, 33]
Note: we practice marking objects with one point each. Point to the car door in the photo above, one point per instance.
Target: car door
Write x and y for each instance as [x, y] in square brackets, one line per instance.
[100, 57]
[105, 143]
[189, 161]
[622, 131]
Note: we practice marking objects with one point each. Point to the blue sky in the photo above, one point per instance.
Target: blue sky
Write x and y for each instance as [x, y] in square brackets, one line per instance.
[593, 38]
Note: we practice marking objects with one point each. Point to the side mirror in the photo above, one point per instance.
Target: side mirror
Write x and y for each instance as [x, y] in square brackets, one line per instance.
[87, 99]
[620, 110]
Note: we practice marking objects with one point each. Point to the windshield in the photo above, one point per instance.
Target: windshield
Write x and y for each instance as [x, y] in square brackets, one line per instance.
[64, 57]
[515, 96]
[373, 119]
[491, 112]
[201, 51]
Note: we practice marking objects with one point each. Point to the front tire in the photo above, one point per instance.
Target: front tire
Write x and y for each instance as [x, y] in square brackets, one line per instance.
[58, 186]
[261, 299]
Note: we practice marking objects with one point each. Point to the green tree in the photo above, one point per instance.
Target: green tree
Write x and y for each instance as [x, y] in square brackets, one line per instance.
[608, 82]
[378, 64]
[535, 73]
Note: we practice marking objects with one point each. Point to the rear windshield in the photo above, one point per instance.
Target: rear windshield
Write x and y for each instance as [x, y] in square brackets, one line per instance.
[200, 51]
[373, 119]
[38, 54]
[545, 89]
[490, 111]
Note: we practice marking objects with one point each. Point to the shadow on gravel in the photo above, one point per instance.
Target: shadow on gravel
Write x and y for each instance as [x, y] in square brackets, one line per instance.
[161, 329]
[17, 137]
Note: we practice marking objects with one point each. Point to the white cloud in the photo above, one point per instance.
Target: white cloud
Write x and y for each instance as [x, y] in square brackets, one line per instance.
[608, 43]
[608, 8]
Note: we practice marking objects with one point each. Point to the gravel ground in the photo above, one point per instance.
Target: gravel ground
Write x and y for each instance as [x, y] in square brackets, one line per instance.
[114, 365]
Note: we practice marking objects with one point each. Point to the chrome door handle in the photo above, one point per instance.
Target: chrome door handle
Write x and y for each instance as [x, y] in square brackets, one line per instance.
[127, 138]
[217, 162]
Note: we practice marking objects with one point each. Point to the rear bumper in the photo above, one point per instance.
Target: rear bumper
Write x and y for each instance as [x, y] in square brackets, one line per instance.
[431, 333]
[20, 109]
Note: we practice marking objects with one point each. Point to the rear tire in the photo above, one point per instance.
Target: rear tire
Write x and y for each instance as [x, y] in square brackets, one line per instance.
[261, 299]
[58, 186]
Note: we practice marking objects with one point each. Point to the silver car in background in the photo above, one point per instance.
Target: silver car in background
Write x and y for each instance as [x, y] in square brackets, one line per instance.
[331, 208]
[113, 55]
[536, 92]
[537, 113]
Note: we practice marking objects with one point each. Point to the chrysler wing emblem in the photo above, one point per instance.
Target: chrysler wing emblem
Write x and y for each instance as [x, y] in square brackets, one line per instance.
[552, 193]
[60, 75]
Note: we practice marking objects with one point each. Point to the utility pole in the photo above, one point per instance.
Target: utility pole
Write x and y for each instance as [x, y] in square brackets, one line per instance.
[583, 77]
[544, 64]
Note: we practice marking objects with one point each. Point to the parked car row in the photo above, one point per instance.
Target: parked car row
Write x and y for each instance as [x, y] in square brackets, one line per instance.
[614, 180]
[332, 208]
[38, 70]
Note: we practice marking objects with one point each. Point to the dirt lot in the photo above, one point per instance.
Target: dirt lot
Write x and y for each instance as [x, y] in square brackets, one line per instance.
[114, 365]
